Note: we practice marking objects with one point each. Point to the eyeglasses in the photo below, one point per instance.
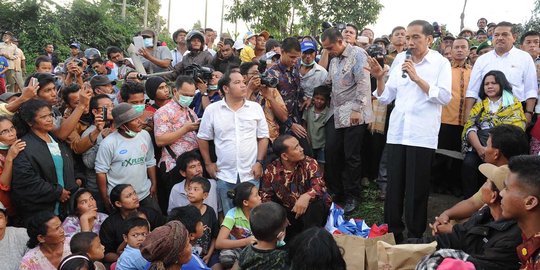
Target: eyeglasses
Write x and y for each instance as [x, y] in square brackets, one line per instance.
[7, 131]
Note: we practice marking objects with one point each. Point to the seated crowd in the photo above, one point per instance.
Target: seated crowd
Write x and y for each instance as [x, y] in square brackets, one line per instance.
[232, 156]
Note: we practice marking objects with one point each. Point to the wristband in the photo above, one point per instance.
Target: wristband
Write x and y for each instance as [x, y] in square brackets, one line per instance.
[259, 161]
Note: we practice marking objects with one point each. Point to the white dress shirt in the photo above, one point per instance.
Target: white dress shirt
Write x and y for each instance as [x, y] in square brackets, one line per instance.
[416, 118]
[517, 66]
[235, 135]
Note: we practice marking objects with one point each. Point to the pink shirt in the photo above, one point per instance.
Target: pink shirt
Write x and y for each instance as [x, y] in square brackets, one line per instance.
[169, 118]
[34, 259]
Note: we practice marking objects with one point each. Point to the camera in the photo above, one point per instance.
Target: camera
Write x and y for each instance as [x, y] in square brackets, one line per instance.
[78, 61]
[339, 26]
[197, 72]
[376, 51]
[436, 30]
[142, 77]
[268, 81]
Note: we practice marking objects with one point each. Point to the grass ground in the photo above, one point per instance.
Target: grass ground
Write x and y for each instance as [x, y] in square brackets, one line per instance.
[370, 208]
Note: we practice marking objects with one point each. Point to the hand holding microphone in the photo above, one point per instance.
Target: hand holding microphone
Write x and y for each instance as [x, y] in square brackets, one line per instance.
[408, 56]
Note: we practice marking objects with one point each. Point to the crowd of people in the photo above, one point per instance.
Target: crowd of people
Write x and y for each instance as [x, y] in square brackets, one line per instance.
[229, 154]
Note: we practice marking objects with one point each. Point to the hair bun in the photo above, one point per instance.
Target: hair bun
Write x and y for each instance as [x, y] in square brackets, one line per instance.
[231, 194]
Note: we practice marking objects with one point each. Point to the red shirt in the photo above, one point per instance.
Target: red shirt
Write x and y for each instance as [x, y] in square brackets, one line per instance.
[528, 253]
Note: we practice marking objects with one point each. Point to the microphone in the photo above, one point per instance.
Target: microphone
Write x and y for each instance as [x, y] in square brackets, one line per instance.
[408, 56]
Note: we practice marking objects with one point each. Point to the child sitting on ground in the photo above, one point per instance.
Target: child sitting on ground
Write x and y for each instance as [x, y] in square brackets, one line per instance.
[204, 247]
[89, 245]
[268, 223]
[190, 216]
[235, 232]
[136, 230]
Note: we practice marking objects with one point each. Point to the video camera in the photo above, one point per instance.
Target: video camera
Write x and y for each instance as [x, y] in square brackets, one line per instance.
[197, 72]
[339, 26]
[436, 30]
[377, 51]
[268, 81]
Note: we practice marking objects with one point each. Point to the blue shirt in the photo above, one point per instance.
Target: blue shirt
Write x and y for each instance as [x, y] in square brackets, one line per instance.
[3, 65]
[196, 104]
[131, 259]
[194, 264]
[56, 155]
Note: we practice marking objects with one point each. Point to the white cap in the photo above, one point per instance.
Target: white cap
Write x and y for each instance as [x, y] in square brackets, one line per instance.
[238, 44]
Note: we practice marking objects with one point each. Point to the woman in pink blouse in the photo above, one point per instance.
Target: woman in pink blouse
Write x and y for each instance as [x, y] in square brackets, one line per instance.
[48, 242]
[86, 218]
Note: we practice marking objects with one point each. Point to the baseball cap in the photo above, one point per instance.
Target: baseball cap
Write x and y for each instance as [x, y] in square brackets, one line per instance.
[483, 45]
[75, 45]
[248, 35]
[495, 174]
[308, 45]
[449, 37]
[265, 34]
[239, 44]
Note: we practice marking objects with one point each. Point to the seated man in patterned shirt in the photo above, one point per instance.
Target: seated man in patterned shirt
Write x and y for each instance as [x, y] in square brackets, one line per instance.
[295, 181]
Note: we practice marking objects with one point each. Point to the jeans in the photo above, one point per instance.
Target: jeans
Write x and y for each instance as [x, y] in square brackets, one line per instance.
[223, 187]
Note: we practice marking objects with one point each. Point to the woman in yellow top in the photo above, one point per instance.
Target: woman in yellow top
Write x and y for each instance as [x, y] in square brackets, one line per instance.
[498, 106]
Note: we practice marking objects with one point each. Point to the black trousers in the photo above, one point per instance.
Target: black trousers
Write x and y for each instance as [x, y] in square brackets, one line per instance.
[471, 177]
[315, 216]
[344, 159]
[446, 170]
[409, 170]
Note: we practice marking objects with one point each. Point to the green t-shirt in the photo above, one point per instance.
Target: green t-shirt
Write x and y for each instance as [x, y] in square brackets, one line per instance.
[236, 221]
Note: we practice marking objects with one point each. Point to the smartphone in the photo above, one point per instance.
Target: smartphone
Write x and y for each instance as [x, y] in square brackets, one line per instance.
[34, 81]
[104, 115]
[138, 41]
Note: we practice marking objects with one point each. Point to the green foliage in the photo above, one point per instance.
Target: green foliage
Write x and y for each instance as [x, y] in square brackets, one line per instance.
[534, 21]
[284, 18]
[95, 24]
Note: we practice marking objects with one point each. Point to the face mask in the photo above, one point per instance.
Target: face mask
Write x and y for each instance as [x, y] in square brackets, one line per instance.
[184, 101]
[148, 42]
[212, 87]
[138, 108]
[130, 133]
[112, 96]
[307, 65]
[280, 237]
[4, 146]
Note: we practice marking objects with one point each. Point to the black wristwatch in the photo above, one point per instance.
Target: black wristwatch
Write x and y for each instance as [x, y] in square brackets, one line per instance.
[205, 94]
[259, 161]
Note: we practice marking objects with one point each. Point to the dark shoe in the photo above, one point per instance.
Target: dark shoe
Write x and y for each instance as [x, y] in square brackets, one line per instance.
[337, 198]
[350, 206]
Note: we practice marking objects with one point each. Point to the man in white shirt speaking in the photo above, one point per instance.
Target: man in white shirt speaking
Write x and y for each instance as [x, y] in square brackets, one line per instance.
[420, 82]
[240, 133]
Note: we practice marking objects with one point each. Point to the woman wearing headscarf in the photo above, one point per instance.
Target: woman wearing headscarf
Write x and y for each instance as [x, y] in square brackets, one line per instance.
[167, 247]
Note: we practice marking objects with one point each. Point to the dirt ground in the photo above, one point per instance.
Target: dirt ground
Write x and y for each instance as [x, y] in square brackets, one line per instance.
[437, 204]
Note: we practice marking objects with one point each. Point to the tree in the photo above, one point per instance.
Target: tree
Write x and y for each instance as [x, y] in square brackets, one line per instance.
[293, 17]
[36, 23]
[534, 21]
